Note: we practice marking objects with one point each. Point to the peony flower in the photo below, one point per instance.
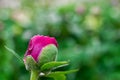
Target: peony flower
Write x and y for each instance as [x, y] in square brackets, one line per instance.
[41, 49]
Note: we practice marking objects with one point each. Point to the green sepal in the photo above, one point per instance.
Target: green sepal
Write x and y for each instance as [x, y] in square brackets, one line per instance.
[30, 63]
[53, 65]
[48, 54]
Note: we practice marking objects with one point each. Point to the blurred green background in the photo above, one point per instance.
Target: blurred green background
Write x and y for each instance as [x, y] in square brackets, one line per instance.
[88, 33]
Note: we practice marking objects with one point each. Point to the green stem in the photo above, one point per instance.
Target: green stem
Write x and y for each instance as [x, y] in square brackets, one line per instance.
[34, 75]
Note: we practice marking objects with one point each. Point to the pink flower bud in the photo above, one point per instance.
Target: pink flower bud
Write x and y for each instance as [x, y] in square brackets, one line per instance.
[37, 44]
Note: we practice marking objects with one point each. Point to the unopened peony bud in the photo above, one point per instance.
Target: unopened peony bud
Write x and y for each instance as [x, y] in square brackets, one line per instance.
[41, 49]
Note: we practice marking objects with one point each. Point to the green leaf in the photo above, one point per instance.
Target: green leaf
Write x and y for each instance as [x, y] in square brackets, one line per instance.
[14, 53]
[60, 75]
[54, 65]
[64, 72]
[57, 76]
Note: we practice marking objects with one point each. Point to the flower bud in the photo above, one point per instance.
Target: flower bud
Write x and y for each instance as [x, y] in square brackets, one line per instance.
[41, 49]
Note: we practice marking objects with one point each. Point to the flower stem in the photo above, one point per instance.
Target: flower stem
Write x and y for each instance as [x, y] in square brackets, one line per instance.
[34, 75]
